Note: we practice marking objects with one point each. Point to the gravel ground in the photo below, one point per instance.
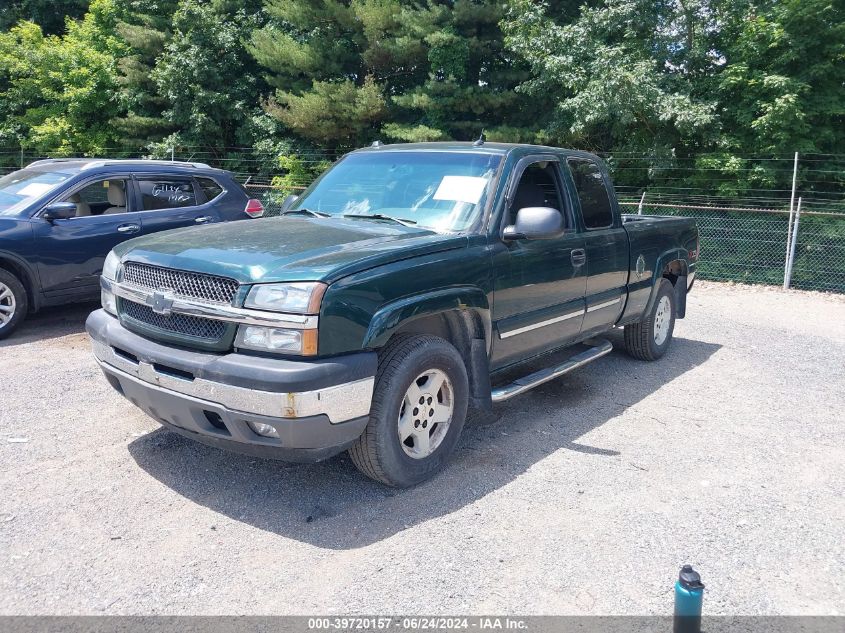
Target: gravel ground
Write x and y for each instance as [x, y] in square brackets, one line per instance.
[581, 497]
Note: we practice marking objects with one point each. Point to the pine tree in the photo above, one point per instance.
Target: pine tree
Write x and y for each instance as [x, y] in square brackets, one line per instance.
[145, 26]
[349, 71]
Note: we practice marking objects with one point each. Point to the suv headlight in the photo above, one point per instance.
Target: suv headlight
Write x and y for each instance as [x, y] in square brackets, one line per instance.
[295, 298]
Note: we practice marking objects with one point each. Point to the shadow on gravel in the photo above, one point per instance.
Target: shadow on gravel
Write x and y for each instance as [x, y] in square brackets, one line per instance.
[51, 323]
[333, 506]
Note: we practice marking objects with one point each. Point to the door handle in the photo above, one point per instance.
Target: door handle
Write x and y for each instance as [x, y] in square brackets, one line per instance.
[578, 256]
[128, 228]
[203, 219]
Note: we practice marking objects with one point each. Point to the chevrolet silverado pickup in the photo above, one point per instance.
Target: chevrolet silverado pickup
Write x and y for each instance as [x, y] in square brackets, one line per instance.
[408, 285]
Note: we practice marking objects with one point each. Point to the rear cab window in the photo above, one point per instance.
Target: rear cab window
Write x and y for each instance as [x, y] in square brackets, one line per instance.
[592, 193]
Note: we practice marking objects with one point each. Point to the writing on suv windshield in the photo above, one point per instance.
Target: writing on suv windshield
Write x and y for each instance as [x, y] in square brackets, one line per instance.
[442, 191]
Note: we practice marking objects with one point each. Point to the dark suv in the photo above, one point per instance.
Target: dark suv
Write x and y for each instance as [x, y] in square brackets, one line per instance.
[59, 218]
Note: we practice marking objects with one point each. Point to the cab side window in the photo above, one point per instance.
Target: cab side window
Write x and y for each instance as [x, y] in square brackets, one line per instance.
[592, 193]
[166, 193]
[103, 197]
[537, 188]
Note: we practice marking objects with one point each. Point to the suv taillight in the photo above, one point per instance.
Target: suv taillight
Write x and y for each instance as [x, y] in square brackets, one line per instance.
[254, 208]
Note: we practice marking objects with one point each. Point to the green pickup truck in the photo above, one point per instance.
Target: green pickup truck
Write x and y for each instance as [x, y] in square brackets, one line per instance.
[407, 286]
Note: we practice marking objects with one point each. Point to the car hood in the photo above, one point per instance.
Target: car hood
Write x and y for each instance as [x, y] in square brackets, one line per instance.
[286, 248]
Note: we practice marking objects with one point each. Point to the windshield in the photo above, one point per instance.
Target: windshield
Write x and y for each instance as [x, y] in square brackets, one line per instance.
[442, 191]
[25, 185]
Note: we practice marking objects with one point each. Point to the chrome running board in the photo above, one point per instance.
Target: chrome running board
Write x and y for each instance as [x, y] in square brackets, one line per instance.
[598, 348]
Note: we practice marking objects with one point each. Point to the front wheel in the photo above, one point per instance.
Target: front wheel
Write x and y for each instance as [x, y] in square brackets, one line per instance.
[650, 338]
[418, 411]
[13, 303]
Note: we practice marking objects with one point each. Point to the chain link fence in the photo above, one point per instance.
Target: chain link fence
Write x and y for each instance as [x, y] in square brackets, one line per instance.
[749, 245]
[271, 197]
[742, 240]
[741, 244]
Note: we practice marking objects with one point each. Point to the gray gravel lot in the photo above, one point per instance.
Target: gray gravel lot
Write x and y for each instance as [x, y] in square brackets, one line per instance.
[584, 496]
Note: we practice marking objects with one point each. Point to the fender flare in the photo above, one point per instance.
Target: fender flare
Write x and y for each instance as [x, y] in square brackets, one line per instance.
[30, 281]
[675, 254]
[394, 315]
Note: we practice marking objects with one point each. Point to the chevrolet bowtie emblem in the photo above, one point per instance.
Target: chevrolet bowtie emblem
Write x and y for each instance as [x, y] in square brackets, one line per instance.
[162, 303]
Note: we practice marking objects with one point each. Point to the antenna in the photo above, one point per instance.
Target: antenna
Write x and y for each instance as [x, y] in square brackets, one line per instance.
[480, 141]
[376, 144]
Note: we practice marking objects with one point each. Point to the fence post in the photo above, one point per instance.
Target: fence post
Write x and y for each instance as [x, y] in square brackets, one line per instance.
[791, 256]
[791, 216]
[640, 208]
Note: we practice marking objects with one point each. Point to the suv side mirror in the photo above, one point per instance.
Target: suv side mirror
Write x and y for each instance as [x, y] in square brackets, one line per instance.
[536, 223]
[287, 203]
[59, 211]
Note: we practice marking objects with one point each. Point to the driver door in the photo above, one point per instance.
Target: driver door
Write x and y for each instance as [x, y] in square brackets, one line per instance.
[539, 285]
[71, 252]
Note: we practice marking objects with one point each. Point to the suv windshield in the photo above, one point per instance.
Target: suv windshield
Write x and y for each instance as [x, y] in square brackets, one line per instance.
[442, 191]
[25, 185]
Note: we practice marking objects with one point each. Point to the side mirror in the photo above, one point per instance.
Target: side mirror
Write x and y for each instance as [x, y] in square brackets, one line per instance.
[59, 211]
[536, 223]
[287, 203]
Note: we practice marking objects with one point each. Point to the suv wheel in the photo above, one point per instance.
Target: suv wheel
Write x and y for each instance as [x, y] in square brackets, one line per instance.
[13, 303]
[650, 338]
[418, 412]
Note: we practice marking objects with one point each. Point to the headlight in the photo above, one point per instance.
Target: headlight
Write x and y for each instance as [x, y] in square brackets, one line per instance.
[296, 298]
[110, 266]
[277, 339]
[109, 302]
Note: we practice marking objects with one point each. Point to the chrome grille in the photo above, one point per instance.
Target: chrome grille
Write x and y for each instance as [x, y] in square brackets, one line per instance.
[181, 283]
[187, 325]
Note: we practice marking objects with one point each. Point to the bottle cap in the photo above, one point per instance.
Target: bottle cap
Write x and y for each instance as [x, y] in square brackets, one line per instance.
[689, 578]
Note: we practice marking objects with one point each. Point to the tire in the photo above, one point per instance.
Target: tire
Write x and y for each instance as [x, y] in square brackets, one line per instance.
[14, 304]
[393, 447]
[650, 338]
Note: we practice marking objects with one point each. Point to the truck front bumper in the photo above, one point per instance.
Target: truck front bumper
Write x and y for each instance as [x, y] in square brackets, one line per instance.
[318, 408]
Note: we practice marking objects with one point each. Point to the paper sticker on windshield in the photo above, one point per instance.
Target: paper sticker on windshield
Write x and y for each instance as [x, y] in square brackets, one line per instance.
[35, 189]
[461, 189]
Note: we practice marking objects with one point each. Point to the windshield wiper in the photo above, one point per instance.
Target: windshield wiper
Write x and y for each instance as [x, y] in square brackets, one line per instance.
[316, 214]
[380, 216]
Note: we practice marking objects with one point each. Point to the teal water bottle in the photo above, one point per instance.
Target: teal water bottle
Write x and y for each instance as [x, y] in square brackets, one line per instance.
[689, 596]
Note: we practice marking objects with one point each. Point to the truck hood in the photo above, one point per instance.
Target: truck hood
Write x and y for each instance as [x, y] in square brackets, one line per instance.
[286, 248]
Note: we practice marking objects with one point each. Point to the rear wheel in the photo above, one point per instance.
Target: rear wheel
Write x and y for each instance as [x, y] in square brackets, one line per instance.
[650, 338]
[13, 303]
[418, 412]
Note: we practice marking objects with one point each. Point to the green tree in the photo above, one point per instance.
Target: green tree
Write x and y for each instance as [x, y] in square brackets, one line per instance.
[348, 71]
[208, 82]
[57, 94]
[782, 87]
[620, 73]
[50, 15]
[145, 26]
